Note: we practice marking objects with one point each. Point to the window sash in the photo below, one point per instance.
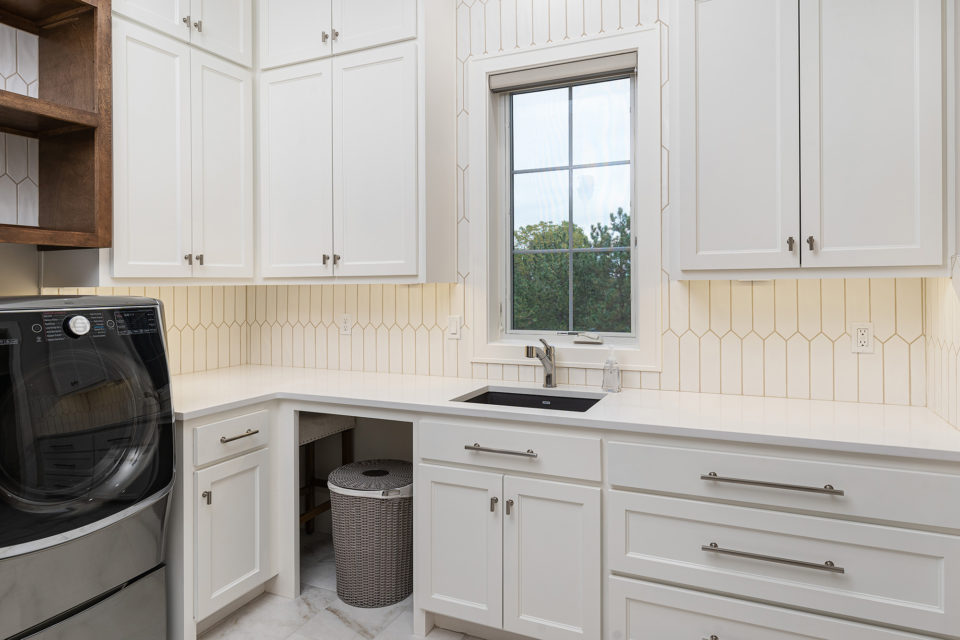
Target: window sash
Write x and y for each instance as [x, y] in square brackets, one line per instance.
[507, 316]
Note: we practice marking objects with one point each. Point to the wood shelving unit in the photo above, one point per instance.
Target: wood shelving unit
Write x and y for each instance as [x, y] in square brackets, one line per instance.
[72, 118]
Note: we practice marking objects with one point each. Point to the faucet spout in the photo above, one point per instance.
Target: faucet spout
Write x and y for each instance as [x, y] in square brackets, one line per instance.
[548, 359]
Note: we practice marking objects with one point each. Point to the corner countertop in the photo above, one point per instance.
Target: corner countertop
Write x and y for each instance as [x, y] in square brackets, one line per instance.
[914, 432]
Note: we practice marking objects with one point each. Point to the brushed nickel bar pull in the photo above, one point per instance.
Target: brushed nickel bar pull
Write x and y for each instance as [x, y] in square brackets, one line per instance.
[509, 506]
[250, 432]
[827, 489]
[493, 503]
[529, 453]
[828, 566]
[208, 496]
[714, 637]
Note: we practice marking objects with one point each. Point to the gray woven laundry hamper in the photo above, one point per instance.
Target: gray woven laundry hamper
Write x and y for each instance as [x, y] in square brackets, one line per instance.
[372, 507]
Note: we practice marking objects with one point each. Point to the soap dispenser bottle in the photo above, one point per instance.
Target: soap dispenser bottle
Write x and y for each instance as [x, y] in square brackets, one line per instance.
[611, 374]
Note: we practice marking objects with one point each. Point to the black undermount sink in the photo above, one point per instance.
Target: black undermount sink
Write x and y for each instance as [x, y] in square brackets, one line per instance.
[554, 401]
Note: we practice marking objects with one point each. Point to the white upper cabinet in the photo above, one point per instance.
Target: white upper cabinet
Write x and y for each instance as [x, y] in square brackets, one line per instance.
[152, 179]
[183, 160]
[375, 162]
[358, 24]
[737, 192]
[169, 16]
[223, 27]
[807, 135]
[296, 173]
[872, 111]
[294, 31]
[222, 162]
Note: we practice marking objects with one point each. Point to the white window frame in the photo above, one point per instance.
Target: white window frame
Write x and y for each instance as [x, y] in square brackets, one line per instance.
[486, 191]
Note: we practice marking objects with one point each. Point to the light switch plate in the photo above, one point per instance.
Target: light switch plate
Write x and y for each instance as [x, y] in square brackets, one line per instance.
[453, 327]
[861, 337]
[346, 324]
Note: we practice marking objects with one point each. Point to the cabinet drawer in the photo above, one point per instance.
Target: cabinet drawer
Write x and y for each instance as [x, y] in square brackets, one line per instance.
[224, 439]
[892, 576]
[868, 492]
[645, 611]
[568, 456]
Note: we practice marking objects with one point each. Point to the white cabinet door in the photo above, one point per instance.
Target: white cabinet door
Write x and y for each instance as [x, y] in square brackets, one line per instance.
[360, 24]
[232, 552]
[736, 197]
[459, 543]
[224, 27]
[222, 97]
[294, 31]
[872, 111]
[552, 572]
[151, 89]
[375, 162]
[169, 16]
[296, 200]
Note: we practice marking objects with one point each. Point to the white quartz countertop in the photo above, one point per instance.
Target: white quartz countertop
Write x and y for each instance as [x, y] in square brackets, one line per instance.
[837, 426]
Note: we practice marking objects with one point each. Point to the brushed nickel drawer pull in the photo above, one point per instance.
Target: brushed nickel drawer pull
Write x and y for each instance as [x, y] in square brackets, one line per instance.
[827, 489]
[509, 506]
[250, 432]
[208, 496]
[828, 566]
[493, 503]
[529, 453]
[712, 638]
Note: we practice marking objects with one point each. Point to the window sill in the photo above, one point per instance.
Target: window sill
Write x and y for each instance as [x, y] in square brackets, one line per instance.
[580, 356]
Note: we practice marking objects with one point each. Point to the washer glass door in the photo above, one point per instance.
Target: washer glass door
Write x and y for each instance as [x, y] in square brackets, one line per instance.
[86, 426]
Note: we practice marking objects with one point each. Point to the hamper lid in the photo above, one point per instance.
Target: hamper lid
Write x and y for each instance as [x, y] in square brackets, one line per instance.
[372, 475]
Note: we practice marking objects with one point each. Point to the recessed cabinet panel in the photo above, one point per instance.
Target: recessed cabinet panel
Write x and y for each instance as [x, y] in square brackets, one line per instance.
[293, 31]
[296, 206]
[459, 546]
[736, 194]
[166, 15]
[366, 23]
[375, 162]
[872, 110]
[152, 180]
[222, 97]
[232, 529]
[224, 27]
[551, 559]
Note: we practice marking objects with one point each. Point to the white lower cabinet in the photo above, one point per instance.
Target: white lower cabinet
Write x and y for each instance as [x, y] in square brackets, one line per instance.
[551, 562]
[646, 611]
[460, 545]
[232, 532]
[509, 552]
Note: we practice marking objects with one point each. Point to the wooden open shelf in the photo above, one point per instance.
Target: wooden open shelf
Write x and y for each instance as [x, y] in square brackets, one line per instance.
[35, 118]
[34, 15]
[72, 118]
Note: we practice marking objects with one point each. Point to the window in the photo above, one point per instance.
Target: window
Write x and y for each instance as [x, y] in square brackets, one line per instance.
[570, 180]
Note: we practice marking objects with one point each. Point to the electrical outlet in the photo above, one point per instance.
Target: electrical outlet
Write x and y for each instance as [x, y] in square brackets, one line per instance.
[453, 327]
[346, 324]
[861, 337]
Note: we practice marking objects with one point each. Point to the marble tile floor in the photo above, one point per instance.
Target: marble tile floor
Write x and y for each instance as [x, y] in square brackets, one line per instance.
[318, 614]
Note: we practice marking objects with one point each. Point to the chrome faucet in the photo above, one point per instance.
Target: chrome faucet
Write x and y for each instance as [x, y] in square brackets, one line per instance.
[548, 358]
